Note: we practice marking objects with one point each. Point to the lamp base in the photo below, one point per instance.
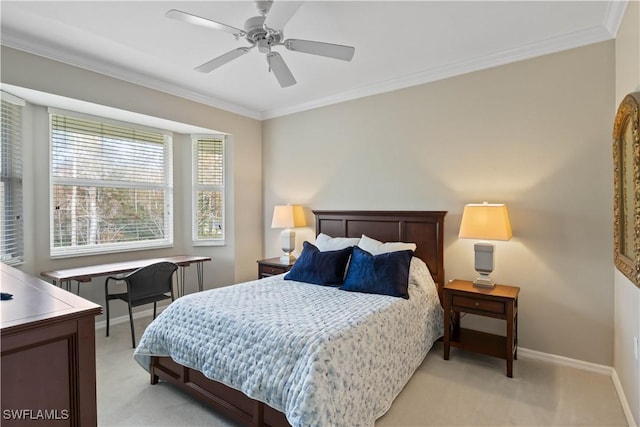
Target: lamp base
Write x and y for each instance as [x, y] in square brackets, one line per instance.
[288, 244]
[484, 264]
[484, 281]
[287, 259]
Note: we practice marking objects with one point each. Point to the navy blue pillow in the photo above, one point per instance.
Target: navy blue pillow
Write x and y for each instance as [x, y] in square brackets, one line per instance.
[385, 274]
[320, 268]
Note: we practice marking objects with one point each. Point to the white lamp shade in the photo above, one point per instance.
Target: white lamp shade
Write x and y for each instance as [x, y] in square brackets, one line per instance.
[288, 216]
[485, 221]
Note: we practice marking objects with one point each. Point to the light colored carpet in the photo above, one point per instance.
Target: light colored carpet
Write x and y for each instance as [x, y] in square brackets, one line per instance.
[467, 390]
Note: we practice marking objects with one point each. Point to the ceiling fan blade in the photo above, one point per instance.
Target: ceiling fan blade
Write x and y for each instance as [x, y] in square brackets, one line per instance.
[330, 50]
[280, 70]
[222, 59]
[280, 13]
[203, 22]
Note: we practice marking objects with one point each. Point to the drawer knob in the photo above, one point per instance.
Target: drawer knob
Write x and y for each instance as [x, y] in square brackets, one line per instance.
[477, 304]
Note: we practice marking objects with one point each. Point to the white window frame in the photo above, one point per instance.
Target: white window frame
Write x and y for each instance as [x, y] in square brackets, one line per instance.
[196, 188]
[167, 241]
[11, 228]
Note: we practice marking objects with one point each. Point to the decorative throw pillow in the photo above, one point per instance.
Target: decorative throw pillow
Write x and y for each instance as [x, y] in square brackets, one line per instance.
[385, 274]
[320, 268]
[376, 247]
[325, 242]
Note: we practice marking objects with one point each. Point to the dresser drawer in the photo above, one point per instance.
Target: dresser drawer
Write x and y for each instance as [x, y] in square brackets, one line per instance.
[461, 303]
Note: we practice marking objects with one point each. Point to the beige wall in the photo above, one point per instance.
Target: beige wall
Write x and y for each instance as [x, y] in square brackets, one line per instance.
[627, 295]
[534, 134]
[231, 263]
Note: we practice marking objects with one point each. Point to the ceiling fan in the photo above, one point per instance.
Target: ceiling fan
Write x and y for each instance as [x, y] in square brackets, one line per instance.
[265, 32]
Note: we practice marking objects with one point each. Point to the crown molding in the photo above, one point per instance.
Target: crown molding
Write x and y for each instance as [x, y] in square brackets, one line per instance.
[613, 16]
[551, 45]
[606, 31]
[50, 52]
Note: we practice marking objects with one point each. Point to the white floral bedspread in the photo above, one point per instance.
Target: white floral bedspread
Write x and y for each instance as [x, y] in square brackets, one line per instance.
[323, 356]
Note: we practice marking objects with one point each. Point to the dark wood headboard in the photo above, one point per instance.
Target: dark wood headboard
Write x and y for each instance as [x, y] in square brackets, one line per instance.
[424, 228]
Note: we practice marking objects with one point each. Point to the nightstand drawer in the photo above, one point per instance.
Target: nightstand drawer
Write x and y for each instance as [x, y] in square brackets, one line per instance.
[271, 271]
[460, 302]
[272, 267]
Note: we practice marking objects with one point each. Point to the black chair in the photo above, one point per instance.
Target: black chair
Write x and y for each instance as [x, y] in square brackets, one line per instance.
[146, 285]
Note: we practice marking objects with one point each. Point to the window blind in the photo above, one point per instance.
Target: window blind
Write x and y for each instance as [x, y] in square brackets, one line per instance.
[111, 187]
[11, 221]
[208, 198]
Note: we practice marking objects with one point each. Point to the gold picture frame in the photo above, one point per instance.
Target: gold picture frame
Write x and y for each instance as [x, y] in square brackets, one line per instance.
[626, 184]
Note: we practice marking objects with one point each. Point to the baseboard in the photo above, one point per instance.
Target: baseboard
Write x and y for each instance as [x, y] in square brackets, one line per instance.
[102, 324]
[565, 361]
[623, 400]
[585, 366]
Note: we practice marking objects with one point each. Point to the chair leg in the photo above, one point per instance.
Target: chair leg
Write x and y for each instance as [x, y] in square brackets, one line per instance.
[133, 334]
[154, 310]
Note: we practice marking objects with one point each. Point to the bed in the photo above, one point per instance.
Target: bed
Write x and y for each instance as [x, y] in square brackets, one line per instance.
[341, 361]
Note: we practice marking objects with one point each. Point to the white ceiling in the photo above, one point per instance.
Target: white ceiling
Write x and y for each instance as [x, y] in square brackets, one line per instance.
[397, 44]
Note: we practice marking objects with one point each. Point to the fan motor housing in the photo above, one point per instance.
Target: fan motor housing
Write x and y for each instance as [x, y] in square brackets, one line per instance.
[254, 27]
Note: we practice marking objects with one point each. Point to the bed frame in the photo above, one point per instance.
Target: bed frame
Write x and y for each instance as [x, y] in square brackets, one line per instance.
[425, 228]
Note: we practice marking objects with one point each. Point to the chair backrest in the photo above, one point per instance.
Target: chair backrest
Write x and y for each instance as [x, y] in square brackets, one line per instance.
[151, 280]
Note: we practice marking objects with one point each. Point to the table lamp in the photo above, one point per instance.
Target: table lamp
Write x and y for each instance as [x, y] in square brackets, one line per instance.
[485, 221]
[288, 217]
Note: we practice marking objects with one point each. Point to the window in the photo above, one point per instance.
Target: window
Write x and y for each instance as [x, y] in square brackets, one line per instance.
[208, 189]
[11, 237]
[111, 186]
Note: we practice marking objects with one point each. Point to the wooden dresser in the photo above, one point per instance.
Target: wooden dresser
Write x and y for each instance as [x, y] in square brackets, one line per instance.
[48, 354]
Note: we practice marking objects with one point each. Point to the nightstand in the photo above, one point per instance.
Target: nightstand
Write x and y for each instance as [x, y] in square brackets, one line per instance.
[272, 266]
[500, 302]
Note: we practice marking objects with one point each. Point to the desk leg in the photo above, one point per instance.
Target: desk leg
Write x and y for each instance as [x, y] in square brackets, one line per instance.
[200, 271]
[181, 278]
[178, 280]
[181, 282]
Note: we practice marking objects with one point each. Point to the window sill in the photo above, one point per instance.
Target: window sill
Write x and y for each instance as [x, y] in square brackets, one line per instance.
[110, 250]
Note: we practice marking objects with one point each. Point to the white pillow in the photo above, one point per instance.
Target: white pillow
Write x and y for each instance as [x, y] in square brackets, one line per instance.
[375, 247]
[327, 243]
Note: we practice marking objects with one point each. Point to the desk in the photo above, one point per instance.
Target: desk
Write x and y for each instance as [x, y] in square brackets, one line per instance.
[85, 274]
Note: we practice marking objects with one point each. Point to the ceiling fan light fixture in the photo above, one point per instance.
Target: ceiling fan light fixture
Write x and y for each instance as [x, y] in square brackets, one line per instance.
[263, 45]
